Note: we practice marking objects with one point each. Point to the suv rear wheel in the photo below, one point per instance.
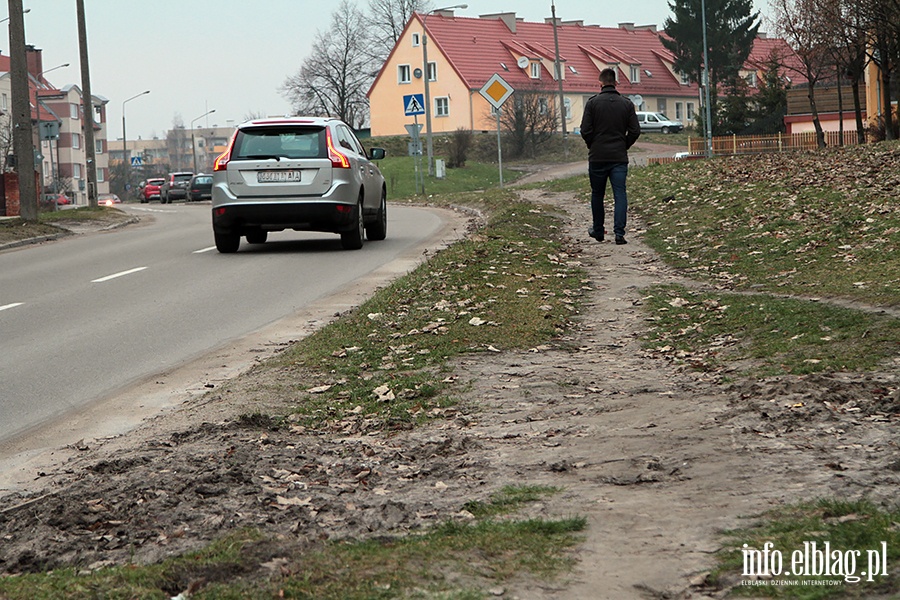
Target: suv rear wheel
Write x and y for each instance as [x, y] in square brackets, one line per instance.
[353, 239]
[377, 230]
[227, 243]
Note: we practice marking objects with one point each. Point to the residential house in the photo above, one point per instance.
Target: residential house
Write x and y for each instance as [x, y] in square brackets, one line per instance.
[173, 151]
[59, 114]
[464, 52]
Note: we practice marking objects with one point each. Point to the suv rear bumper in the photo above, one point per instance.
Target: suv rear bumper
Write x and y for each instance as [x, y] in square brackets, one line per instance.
[333, 217]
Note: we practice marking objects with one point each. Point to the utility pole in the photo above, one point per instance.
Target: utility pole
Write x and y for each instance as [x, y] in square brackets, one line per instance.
[559, 78]
[23, 133]
[88, 101]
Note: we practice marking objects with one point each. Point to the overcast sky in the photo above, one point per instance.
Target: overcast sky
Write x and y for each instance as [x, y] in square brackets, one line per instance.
[231, 56]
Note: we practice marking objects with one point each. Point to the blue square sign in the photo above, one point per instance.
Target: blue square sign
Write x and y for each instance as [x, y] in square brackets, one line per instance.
[413, 104]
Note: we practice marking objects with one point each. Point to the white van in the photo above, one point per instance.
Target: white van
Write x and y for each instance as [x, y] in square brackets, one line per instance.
[658, 122]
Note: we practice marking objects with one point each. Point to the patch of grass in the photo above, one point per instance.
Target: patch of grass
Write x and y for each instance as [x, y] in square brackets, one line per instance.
[509, 499]
[713, 330]
[506, 287]
[399, 175]
[806, 224]
[847, 527]
[456, 561]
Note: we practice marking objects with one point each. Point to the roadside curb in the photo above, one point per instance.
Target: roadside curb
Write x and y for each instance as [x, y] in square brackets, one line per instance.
[65, 233]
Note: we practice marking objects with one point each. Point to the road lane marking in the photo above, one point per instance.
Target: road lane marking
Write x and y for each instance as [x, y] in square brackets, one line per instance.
[13, 305]
[210, 249]
[122, 274]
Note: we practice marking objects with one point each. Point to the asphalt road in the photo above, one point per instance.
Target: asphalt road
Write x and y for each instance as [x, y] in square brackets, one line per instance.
[86, 317]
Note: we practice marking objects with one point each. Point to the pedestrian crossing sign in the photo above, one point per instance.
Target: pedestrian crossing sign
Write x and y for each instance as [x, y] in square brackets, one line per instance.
[413, 104]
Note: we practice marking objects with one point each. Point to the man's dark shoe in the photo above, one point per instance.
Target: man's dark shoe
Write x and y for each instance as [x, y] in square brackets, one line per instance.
[593, 233]
[620, 239]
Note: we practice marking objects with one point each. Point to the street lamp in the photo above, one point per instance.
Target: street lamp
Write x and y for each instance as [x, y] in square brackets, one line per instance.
[125, 140]
[706, 87]
[428, 143]
[27, 10]
[193, 144]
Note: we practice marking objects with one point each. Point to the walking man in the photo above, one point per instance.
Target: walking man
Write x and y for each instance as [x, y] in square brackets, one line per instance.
[609, 127]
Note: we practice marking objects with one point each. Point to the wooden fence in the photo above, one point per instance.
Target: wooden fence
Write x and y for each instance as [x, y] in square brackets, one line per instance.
[753, 144]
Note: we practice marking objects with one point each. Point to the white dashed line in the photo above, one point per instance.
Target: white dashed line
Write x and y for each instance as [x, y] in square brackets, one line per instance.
[13, 305]
[122, 274]
[210, 249]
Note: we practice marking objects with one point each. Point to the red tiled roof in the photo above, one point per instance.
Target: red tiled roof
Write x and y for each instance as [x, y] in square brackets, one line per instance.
[476, 47]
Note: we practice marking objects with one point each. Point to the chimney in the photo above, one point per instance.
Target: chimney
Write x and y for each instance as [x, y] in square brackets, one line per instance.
[579, 23]
[626, 26]
[509, 19]
[34, 60]
[444, 13]
[646, 28]
[549, 21]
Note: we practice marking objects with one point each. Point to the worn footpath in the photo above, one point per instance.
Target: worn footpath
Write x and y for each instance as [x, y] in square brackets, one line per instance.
[658, 457]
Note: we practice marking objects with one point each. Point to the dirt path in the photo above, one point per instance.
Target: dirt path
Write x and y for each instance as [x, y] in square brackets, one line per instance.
[657, 457]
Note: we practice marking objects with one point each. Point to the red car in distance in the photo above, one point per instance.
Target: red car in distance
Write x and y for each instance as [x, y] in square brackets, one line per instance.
[150, 191]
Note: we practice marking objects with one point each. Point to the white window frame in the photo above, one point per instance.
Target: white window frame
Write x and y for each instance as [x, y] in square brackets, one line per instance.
[101, 175]
[535, 71]
[543, 106]
[690, 111]
[74, 111]
[432, 71]
[567, 103]
[635, 74]
[98, 146]
[4, 103]
[76, 141]
[404, 74]
[685, 78]
[442, 106]
[679, 110]
[76, 171]
[416, 40]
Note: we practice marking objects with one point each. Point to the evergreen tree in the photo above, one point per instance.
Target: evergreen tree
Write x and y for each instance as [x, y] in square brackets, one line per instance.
[731, 28]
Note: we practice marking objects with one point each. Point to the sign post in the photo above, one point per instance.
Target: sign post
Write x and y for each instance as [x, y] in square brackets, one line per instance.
[413, 106]
[496, 91]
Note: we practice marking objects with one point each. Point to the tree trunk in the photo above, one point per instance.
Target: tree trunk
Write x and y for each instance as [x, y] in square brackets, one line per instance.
[820, 134]
[887, 109]
[840, 111]
[857, 108]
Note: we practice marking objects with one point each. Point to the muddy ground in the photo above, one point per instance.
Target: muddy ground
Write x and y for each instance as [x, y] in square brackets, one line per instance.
[659, 458]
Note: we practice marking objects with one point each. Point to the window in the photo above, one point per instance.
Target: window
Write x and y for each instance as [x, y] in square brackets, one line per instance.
[101, 175]
[568, 104]
[442, 107]
[4, 102]
[74, 111]
[76, 141]
[751, 79]
[535, 70]
[416, 40]
[98, 146]
[543, 107]
[432, 71]
[679, 111]
[76, 171]
[635, 74]
[690, 111]
[685, 79]
[403, 75]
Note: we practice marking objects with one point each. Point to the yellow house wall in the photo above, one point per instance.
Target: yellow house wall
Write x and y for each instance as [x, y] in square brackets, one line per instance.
[386, 98]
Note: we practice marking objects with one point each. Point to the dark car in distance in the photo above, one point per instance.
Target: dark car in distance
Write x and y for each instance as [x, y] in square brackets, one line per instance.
[175, 187]
[200, 187]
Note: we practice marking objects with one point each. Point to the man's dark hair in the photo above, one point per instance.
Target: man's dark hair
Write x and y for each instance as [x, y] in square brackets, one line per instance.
[608, 76]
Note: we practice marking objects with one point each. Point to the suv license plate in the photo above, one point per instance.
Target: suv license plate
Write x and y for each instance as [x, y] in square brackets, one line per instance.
[278, 176]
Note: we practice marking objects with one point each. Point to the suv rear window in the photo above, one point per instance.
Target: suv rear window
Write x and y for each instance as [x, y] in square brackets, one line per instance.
[283, 142]
[186, 177]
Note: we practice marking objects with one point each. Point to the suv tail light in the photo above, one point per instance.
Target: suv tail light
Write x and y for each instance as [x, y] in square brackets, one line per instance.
[222, 160]
[338, 160]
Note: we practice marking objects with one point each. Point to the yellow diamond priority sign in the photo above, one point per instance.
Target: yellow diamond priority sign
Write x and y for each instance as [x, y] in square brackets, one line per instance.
[496, 90]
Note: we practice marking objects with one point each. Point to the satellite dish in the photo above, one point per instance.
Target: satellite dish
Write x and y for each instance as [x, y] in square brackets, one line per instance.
[522, 62]
[637, 99]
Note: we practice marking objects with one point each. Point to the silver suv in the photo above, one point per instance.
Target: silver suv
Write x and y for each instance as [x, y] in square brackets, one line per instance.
[300, 173]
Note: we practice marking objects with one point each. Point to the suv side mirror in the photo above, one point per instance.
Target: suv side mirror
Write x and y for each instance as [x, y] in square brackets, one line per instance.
[376, 153]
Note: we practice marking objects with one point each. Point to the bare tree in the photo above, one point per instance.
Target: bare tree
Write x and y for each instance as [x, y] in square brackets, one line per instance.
[883, 25]
[846, 28]
[799, 22]
[6, 141]
[387, 19]
[178, 144]
[334, 79]
[529, 119]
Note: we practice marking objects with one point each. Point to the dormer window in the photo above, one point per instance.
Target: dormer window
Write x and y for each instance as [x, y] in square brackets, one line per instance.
[535, 70]
[635, 74]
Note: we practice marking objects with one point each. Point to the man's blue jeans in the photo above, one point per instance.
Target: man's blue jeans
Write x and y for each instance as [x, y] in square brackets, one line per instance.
[616, 174]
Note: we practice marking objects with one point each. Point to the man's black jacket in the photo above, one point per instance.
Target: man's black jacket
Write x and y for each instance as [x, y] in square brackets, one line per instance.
[609, 126]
